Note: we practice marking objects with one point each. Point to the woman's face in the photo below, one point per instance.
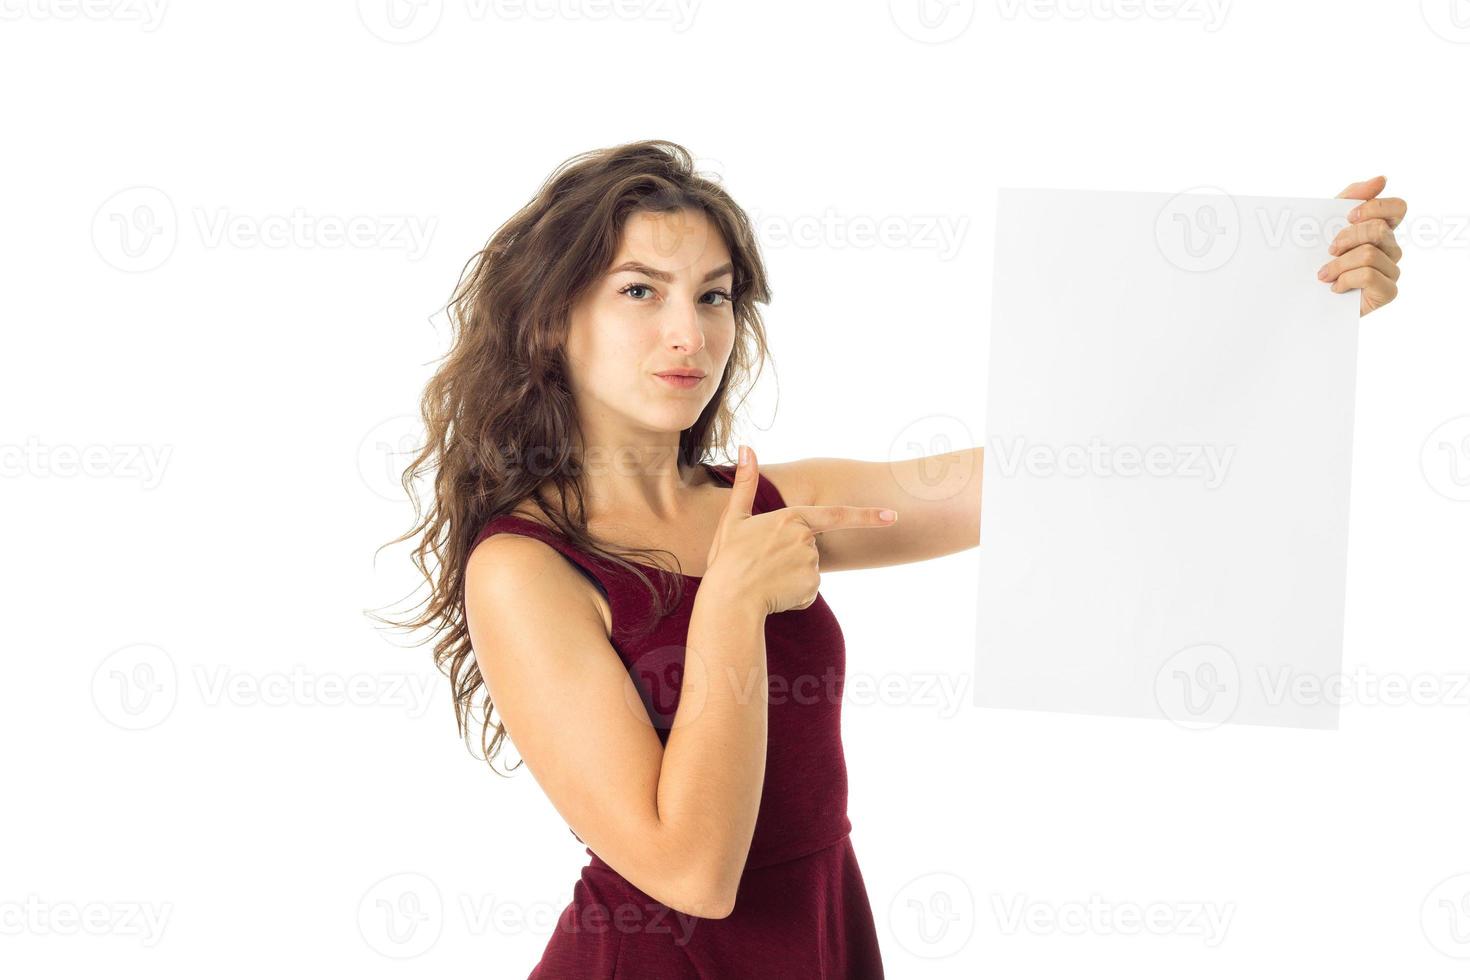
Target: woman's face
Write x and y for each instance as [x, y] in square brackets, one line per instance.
[663, 304]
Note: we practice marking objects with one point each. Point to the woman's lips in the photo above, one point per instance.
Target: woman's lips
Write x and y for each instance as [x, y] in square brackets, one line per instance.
[680, 380]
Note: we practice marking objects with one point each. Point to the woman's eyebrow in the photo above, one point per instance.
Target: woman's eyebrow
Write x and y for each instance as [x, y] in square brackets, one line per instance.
[638, 267]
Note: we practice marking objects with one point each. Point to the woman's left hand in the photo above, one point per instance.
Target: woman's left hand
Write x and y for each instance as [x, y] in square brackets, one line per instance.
[1366, 256]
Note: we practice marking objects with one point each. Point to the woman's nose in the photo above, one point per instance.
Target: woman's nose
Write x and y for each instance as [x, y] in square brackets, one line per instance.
[681, 327]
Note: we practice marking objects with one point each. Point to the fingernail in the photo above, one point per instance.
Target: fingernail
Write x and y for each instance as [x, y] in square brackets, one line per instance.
[744, 455]
[887, 515]
[1322, 272]
[1355, 212]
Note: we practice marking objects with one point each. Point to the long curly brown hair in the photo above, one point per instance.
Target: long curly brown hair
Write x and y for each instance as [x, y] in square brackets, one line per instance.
[499, 420]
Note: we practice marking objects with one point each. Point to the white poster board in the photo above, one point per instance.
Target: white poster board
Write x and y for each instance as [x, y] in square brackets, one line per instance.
[1167, 458]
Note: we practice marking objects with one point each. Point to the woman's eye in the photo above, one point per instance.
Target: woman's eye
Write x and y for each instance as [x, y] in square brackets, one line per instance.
[635, 290]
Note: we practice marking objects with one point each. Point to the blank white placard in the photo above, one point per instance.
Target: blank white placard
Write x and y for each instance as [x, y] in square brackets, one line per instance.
[1167, 458]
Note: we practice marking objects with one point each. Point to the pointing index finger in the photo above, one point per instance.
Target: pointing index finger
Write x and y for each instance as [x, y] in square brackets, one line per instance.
[836, 517]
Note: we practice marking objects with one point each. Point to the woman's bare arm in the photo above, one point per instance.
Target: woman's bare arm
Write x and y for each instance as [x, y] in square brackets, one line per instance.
[937, 498]
[677, 823]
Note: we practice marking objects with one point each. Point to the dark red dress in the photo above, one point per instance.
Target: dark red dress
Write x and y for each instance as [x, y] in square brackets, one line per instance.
[801, 911]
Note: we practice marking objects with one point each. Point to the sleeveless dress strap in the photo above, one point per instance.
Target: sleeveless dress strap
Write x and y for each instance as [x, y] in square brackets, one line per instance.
[590, 567]
[609, 578]
[766, 494]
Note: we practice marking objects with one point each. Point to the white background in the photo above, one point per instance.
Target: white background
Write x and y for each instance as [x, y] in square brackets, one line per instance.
[266, 822]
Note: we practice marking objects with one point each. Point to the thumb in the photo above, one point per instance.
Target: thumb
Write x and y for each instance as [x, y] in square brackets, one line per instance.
[1364, 190]
[742, 493]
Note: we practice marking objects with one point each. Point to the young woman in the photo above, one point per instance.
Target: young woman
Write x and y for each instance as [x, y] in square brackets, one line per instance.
[684, 721]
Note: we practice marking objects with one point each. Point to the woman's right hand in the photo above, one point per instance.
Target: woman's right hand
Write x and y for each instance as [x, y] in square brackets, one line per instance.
[772, 558]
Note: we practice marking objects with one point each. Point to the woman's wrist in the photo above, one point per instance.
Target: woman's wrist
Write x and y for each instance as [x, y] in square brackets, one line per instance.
[729, 593]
